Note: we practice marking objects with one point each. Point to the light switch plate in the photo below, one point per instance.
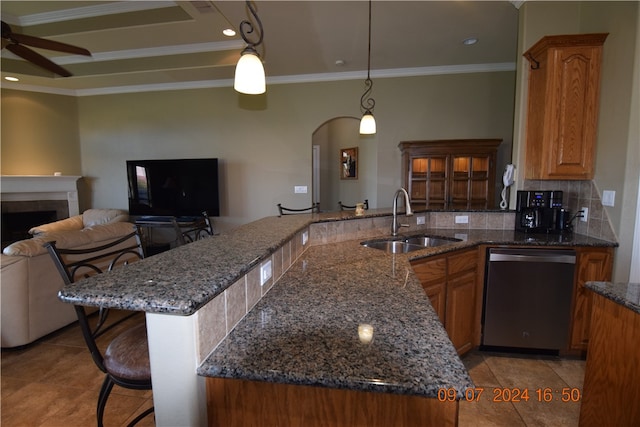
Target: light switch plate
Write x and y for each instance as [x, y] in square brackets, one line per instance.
[608, 198]
[420, 220]
[300, 189]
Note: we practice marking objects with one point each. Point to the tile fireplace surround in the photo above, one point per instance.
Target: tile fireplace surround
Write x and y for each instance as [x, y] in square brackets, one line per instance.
[20, 193]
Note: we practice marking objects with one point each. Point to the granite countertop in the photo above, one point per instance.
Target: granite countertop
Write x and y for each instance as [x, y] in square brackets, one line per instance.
[305, 331]
[625, 294]
[182, 280]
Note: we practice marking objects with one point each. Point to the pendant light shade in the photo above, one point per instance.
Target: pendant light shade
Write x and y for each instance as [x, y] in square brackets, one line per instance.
[367, 124]
[250, 77]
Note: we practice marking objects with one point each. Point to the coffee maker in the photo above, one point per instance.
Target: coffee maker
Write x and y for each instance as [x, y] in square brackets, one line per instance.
[541, 212]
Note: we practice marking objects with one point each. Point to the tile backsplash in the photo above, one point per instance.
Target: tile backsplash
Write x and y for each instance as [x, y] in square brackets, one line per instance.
[338, 231]
[576, 195]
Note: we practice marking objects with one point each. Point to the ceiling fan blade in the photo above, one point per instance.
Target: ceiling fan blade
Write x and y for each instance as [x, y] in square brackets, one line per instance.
[37, 59]
[49, 44]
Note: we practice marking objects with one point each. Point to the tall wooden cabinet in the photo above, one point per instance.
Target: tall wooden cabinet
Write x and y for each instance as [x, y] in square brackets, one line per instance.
[450, 174]
[562, 116]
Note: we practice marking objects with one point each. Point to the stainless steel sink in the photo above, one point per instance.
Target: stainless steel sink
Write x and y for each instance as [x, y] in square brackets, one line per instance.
[429, 241]
[408, 244]
[393, 246]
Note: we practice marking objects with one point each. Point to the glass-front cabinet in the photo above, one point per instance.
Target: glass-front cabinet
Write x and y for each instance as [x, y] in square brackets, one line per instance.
[428, 181]
[450, 174]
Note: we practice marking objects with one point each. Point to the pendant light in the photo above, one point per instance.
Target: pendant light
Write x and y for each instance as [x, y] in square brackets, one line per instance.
[249, 77]
[368, 123]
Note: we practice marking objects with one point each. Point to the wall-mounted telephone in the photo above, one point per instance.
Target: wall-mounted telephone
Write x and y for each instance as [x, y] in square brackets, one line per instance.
[508, 177]
[508, 180]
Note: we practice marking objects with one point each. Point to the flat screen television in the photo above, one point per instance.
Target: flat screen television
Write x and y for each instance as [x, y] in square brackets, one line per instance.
[173, 187]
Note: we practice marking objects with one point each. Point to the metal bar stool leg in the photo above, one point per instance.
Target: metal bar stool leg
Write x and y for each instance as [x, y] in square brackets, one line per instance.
[105, 390]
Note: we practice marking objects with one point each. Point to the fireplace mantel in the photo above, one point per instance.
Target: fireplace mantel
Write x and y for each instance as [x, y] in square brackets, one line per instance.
[14, 188]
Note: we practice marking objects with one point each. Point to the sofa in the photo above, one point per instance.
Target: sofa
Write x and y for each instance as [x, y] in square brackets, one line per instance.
[29, 280]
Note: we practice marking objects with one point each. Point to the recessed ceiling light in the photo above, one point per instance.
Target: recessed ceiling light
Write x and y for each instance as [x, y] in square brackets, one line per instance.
[229, 32]
[12, 79]
[470, 41]
[340, 62]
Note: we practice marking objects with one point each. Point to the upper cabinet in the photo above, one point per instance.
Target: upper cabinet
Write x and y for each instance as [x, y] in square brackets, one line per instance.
[564, 87]
[450, 174]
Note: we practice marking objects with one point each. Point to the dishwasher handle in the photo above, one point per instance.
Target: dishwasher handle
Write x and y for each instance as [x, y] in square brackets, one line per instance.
[546, 257]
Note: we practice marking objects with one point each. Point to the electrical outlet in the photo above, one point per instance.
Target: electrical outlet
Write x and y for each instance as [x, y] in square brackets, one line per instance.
[300, 189]
[420, 220]
[462, 219]
[265, 272]
[585, 214]
[305, 237]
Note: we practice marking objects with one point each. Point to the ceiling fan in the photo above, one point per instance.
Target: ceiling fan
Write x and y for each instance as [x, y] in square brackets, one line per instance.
[14, 43]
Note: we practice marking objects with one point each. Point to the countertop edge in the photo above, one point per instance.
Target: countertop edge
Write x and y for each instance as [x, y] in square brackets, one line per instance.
[624, 294]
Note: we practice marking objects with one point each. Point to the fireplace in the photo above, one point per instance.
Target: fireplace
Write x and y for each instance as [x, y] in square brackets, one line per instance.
[28, 201]
[16, 225]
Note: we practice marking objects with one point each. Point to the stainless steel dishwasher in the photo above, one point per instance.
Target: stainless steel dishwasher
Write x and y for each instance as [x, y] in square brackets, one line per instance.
[527, 300]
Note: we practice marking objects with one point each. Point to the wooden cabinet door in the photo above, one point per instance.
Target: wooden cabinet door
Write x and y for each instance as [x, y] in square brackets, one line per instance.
[428, 182]
[437, 294]
[460, 320]
[450, 282]
[593, 264]
[461, 314]
[432, 273]
[564, 86]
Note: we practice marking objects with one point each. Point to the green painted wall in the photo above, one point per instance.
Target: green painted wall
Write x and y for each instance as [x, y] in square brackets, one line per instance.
[39, 134]
[265, 142]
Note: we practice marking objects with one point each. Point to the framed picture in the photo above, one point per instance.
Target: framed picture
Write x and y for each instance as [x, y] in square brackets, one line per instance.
[349, 163]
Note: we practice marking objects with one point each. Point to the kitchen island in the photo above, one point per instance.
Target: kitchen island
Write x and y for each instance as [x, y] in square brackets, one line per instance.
[208, 315]
[343, 317]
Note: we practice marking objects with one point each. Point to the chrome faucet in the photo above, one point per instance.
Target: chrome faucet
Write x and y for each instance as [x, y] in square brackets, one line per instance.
[395, 226]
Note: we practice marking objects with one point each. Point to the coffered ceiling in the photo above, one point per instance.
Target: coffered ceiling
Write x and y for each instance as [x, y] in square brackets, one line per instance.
[156, 45]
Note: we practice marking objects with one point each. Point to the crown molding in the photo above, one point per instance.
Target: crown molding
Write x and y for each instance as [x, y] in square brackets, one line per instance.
[147, 52]
[152, 51]
[87, 12]
[40, 89]
[293, 79]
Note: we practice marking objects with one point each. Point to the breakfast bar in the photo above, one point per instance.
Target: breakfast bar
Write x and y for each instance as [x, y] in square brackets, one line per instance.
[296, 301]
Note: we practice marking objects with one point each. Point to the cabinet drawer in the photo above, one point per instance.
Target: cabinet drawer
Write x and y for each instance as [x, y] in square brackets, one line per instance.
[432, 270]
[463, 261]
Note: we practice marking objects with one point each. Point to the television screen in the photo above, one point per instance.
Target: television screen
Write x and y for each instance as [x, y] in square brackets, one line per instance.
[177, 187]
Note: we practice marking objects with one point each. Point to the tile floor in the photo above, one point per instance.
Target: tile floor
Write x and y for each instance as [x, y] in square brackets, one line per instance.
[54, 382]
[500, 374]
